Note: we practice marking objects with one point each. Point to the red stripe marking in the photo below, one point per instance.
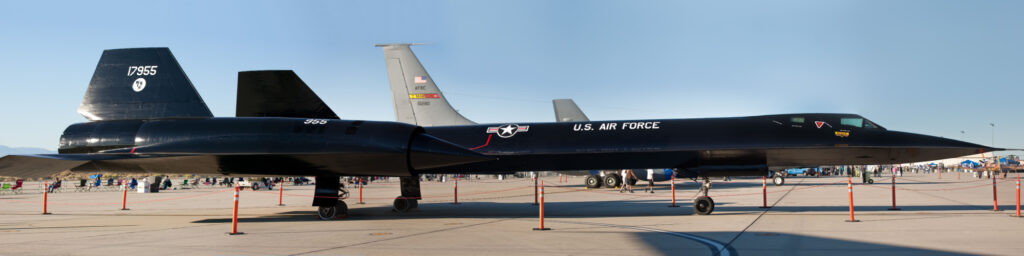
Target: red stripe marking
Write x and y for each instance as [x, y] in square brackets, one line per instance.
[485, 143]
[133, 151]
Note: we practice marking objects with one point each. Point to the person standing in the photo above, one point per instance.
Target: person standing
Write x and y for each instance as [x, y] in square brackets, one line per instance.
[167, 183]
[627, 177]
[650, 181]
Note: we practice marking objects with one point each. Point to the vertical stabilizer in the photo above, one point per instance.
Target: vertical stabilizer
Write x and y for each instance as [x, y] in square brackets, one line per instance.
[417, 99]
[278, 93]
[567, 111]
[141, 83]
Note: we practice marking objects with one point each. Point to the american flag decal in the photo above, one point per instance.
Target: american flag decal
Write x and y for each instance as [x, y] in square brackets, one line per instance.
[420, 79]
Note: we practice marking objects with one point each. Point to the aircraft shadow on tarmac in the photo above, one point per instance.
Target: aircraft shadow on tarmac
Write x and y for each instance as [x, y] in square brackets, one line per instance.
[663, 241]
[771, 243]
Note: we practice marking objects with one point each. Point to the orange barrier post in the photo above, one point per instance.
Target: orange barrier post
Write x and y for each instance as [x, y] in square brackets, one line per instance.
[541, 193]
[360, 182]
[764, 192]
[995, 202]
[234, 216]
[280, 193]
[894, 194]
[940, 173]
[849, 190]
[124, 197]
[673, 192]
[1018, 197]
[46, 190]
[535, 190]
[958, 174]
[456, 190]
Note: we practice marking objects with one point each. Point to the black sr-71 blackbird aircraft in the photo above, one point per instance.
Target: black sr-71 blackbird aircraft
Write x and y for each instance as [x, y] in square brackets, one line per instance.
[145, 116]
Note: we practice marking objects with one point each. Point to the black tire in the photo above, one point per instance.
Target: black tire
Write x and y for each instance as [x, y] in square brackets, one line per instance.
[341, 208]
[401, 205]
[703, 205]
[778, 180]
[327, 212]
[612, 181]
[871, 181]
[593, 181]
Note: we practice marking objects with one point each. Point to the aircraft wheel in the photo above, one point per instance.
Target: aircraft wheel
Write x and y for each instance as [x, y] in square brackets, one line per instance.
[871, 181]
[778, 180]
[326, 212]
[612, 181]
[342, 208]
[593, 181]
[402, 205]
[703, 205]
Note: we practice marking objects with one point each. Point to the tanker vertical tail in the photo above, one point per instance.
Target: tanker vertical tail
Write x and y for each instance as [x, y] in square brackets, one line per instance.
[567, 111]
[141, 83]
[417, 99]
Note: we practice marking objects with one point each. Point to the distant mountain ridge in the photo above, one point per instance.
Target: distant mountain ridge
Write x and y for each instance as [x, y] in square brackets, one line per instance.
[5, 150]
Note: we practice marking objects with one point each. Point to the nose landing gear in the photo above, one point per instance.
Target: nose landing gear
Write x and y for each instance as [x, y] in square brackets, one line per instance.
[779, 178]
[703, 204]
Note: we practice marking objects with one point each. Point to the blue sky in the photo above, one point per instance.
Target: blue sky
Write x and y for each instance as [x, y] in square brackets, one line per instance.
[932, 67]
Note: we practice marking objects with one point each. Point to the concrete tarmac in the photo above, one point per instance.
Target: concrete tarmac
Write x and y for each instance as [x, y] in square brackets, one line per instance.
[947, 216]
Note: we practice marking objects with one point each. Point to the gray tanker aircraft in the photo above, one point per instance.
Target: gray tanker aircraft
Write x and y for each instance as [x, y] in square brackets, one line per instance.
[422, 103]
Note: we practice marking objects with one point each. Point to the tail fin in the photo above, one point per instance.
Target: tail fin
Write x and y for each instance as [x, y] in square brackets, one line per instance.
[567, 111]
[141, 83]
[278, 93]
[417, 99]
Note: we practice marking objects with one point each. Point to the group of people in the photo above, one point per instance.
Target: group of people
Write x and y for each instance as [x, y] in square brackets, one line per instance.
[57, 183]
[628, 177]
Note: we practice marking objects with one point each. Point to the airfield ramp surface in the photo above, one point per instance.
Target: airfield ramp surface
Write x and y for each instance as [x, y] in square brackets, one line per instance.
[947, 216]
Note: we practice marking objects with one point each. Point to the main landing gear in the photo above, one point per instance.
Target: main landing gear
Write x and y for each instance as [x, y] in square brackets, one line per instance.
[329, 194]
[612, 180]
[328, 197]
[779, 178]
[593, 181]
[410, 194]
[703, 204]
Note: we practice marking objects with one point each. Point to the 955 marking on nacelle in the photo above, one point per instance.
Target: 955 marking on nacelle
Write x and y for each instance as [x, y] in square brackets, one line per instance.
[315, 121]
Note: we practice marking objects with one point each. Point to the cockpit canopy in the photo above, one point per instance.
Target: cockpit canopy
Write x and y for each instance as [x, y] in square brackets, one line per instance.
[835, 121]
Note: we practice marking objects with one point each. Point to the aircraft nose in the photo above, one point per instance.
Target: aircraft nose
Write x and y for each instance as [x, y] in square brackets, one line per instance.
[908, 139]
[426, 152]
[911, 147]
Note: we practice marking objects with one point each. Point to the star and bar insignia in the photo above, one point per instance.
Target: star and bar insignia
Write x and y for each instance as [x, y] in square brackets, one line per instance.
[508, 130]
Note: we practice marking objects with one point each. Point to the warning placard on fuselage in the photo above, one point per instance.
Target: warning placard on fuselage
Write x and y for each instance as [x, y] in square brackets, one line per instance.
[616, 126]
